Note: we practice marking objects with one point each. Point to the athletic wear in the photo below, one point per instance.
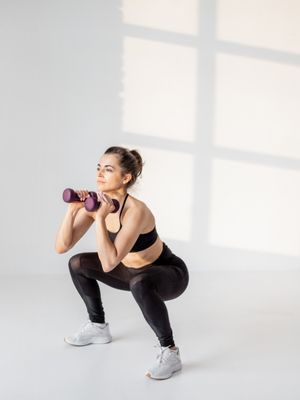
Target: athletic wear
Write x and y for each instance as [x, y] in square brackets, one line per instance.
[164, 279]
[90, 333]
[144, 240]
[167, 362]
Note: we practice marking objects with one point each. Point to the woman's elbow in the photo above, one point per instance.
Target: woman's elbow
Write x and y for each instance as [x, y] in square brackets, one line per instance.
[60, 250]
[108, 267]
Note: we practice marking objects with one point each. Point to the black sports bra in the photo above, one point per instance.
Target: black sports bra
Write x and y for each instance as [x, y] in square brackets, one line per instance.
[144, 240]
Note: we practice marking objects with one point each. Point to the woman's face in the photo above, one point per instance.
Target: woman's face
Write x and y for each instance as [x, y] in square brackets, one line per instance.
[109, 175]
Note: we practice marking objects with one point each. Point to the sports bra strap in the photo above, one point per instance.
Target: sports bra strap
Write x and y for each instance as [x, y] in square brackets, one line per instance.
[122, 209]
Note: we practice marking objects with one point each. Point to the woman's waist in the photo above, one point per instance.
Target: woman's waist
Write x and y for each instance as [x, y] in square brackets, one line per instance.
[167, 259]
[144, 257]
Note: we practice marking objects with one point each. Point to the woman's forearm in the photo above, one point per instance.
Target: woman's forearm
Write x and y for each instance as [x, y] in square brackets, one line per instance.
[106, 250]
[65, 234]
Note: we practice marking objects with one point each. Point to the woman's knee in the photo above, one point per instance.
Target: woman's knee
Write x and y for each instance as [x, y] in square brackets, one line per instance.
[75, 263]
[83, 262]
[140, 285]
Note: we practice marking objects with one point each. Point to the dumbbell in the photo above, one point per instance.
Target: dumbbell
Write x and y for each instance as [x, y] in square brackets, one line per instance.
[90, 203]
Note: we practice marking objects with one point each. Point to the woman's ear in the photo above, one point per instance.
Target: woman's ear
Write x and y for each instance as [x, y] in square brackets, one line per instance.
[127, 178]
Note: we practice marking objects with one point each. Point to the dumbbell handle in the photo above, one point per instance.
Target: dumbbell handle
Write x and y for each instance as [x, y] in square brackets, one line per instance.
[91, 203]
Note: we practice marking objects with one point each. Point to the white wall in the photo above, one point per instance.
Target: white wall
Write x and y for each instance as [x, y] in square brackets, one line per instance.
[206, 90]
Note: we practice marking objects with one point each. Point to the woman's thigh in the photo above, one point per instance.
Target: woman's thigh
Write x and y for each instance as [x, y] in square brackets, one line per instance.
[89, 265]
[169, 280]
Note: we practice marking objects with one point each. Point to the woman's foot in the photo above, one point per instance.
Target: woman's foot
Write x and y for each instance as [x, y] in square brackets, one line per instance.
[167, 362]
[90, 332]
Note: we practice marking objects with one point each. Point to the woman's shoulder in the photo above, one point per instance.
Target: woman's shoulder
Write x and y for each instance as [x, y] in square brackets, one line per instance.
[134, 201]
[140, 206]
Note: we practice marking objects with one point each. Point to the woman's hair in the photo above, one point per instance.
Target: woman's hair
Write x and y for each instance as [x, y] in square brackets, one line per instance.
[130, 162]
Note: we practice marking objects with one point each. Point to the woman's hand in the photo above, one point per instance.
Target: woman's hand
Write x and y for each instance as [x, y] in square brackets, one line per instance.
[82, 194]
[107, 205]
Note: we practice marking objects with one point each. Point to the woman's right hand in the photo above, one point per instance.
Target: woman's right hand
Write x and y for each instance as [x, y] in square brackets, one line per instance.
[82, 194]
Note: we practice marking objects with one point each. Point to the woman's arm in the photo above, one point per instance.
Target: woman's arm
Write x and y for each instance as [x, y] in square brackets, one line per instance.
[111, 254]
[75, 224]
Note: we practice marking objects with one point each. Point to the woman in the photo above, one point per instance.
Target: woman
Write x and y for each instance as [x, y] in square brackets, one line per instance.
[130, 256]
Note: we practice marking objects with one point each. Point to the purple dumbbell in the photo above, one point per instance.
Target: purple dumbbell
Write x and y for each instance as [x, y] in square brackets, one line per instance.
[69, 195]
[91, 203]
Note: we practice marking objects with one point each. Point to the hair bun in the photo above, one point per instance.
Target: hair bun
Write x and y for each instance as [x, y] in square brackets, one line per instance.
[139, 160]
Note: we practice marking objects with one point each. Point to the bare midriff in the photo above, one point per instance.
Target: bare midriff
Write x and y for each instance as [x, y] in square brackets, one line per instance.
[144, 257]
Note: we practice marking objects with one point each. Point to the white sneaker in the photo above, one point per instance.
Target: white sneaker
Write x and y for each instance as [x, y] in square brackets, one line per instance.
[90, 332]
[167, 362]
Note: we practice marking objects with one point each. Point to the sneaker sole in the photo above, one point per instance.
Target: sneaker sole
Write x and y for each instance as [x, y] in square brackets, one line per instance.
[148, 374]
[96, 341]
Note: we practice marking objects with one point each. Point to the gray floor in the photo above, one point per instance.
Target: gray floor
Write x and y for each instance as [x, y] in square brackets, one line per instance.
[238, 333]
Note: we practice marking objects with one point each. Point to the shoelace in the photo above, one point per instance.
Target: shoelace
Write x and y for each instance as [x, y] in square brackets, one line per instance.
[83, 328]
[161, 357]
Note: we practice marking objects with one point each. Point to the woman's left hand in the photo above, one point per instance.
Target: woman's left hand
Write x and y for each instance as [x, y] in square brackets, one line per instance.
[106, 206]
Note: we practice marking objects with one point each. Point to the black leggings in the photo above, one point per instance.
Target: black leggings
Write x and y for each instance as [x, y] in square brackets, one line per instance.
[164, 279]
